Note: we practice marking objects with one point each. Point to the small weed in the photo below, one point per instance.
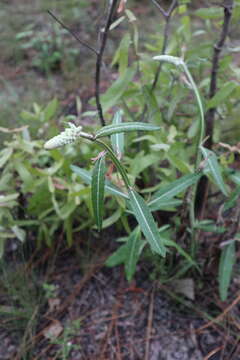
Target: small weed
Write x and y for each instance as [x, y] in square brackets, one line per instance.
[64, 341]
[47, 48]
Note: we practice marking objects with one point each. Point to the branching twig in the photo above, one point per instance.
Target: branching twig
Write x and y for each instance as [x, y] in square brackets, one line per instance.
[104, 35]
[167, 17]
[89, 47]
[202, 190]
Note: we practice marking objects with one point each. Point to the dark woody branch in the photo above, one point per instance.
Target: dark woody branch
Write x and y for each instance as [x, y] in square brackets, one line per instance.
[103, 36]
[202, 190]
[99, 53]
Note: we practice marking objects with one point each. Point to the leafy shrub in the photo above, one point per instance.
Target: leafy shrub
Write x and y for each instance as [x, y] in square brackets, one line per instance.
[164, 166]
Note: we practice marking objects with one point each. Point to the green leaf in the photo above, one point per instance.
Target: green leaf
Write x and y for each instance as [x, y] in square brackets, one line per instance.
[235, 177]
[181, 252]
[214, 168]
[50, 110]
[24, 174]
[227, 260]
[2, 242]
[152, 104]
[8, 198]
[134, 245]
[68, 227]
[117, 140]
[65, 210]
[233, 198]
[209, 13]
[118, 257]
[20, 233]
[125, 127]
[141, 161]
[98, 179]
[168, 205]
[146, 222]
[166, 193]
[87, 177]
[5, 154]
[112, 219]
[181, 165]
[116, 91]
[221, 95]
[121, 55]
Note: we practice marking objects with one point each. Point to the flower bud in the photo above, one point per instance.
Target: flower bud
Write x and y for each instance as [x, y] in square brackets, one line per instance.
[66, 137]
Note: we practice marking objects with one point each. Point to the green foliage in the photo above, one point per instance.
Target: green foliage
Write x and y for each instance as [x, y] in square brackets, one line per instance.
[64, 341]
[47, 49]
[159, 170]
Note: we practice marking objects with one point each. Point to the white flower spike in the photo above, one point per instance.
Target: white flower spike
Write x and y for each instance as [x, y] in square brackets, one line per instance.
[68, 136]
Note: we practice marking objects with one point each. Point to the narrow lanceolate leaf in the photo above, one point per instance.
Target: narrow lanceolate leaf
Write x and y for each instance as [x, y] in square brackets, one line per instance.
[118, 257]
[166, 193]
[87, 177]
[134, 245]
[146, 222]
[98, 178]
[117, 140]
[214, 168]
[125, 127]
[227, 261]
[222, 94]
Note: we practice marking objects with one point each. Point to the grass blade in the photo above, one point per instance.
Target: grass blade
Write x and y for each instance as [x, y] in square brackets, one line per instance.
[214, 168]
[125, 127]
[98, 179]
[146, 222]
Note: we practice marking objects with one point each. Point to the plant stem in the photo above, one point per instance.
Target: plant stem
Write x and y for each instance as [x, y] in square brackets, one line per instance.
[167, 17]
[104, 36]
[202, 190]
[111, 154]
[202, 119]
[192, 215]
[116, 162]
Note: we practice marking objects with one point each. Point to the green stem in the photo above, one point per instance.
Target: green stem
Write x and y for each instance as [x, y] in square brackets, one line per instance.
[198, 155]
[113, 157]
[116, 162]
[200, 106]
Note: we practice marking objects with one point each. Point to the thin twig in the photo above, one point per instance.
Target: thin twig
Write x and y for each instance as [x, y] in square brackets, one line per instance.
[83, 43]
[167, 17]
[202, 190]
[104, 36]
[164, 12]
